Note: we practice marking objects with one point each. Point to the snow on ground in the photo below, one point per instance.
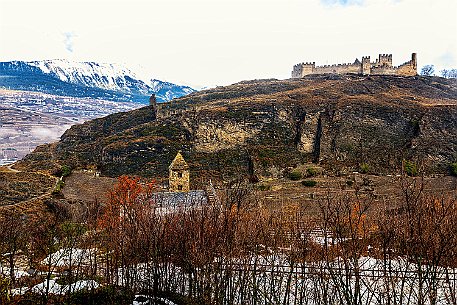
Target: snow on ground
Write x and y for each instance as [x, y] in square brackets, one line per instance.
[141, 299]
[69, 257]
[18, 272]
[274, 280]
[55, 288]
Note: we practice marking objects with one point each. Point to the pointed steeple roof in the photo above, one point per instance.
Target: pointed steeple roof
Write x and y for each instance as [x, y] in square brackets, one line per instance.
[179, 163]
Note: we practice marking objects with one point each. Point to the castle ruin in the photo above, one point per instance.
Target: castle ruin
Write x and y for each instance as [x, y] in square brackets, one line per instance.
[382, 65]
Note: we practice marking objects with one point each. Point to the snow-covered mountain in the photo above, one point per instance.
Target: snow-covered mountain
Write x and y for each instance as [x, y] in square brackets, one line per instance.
[168, 90]
[104, 81]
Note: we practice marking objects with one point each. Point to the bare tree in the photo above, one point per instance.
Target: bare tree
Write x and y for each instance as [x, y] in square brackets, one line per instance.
[451, 73]
[13, 238]
[427, 70]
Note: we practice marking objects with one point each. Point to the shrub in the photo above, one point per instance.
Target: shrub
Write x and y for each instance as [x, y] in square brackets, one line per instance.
[364, 168]
[103, 295]
[410, 168]
[264, 187]
[309, 183]
[4, 291]
[311, 171]
[453, 169]
[58, 187]
[65, 170]
[295, 175]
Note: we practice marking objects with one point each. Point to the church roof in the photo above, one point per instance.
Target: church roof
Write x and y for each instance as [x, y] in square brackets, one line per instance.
[180, 199]
[179, 163]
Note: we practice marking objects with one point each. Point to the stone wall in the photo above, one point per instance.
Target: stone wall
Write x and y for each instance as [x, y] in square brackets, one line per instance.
[339, 69]
[382, 65]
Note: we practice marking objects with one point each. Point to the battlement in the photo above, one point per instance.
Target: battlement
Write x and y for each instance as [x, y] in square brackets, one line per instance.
[382, 65]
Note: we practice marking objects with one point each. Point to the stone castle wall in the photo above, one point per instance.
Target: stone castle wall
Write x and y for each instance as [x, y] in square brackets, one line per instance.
[382, 65]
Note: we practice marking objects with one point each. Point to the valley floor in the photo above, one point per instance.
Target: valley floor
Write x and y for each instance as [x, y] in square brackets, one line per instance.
[29, 119]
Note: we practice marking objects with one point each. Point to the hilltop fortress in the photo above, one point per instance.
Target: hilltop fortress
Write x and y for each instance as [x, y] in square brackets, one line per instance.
[382, 65]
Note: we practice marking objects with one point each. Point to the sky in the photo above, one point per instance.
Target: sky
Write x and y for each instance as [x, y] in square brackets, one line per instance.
[204, 43]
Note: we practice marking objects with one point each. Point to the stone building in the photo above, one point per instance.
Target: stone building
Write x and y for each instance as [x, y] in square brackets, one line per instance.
[153, 104]
[381, 66]
[178, 174]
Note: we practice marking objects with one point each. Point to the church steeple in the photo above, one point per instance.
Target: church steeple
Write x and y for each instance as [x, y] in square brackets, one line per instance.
[178, 174]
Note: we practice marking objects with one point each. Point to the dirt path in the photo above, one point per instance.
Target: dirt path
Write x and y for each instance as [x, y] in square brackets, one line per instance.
[9, 167]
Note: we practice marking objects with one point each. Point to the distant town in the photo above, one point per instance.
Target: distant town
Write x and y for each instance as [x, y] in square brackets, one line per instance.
[28, 119]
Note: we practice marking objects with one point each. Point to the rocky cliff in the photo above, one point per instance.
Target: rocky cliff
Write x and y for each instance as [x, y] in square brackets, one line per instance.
[266, 127]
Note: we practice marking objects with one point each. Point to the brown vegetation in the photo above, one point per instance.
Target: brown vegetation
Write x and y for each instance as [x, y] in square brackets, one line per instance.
[22, 186]
[246, 252]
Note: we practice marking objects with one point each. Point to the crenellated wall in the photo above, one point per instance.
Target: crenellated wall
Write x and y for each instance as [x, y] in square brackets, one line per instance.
[382, 65]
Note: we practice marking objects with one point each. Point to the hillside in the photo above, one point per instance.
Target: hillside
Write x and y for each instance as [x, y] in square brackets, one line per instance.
[264, 128]
[85, 79]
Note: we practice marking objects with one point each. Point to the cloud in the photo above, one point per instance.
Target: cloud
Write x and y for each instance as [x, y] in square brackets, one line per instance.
[342, 2]
[48, 134]
[447, 60]
[68, 41]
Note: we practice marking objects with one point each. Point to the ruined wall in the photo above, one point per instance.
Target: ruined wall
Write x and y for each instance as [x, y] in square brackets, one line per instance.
[383, 60]
[303, 69]
[409, 68]
[382, 65]
[339, 69]
[383, 70]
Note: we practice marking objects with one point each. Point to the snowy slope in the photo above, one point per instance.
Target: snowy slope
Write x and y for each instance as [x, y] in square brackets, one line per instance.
[92, 74]
[105, 81]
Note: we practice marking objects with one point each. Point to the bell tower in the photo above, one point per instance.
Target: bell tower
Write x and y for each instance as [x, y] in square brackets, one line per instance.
[178, 174]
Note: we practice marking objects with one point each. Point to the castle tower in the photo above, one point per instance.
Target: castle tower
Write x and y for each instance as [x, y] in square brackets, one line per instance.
[178, 174]
[152, 100]
[153, 103]
[366, 65]
[385, 60]
[414, 61]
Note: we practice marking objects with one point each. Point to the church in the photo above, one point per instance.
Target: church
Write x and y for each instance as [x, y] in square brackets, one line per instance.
[179, 194]
[179, 177]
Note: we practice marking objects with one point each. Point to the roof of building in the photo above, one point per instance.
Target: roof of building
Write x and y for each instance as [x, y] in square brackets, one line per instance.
[180, 199]
[179, 163]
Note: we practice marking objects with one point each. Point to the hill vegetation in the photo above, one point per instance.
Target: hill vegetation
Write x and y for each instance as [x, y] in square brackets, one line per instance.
[265, 128]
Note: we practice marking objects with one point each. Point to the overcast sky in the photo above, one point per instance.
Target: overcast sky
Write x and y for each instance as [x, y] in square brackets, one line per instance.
[218, 42]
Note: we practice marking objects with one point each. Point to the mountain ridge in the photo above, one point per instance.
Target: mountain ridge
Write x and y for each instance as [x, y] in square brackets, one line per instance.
[85, 79]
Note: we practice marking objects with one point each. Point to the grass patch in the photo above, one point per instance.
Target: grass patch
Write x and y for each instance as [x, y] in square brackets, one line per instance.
[410, 168]
[263, 187]
[309, 183]
[295, 175]
[364, 168]
[311, 172]
[453, 169]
